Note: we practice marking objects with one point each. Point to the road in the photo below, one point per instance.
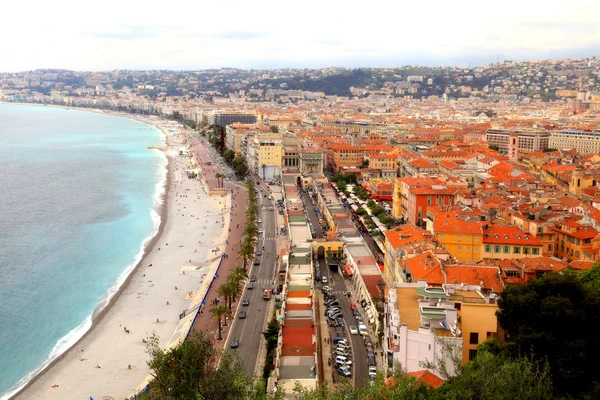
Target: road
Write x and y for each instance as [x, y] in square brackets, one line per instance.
[360, 367]
[249, 330]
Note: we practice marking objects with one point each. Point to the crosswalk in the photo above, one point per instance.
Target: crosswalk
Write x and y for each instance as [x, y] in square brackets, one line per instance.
[270, 238]
[264, 282]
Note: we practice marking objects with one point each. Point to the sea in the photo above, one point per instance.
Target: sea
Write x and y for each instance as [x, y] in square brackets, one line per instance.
[80, 194]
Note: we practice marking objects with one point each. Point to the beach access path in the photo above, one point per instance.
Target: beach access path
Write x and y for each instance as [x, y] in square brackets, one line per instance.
[110, 360]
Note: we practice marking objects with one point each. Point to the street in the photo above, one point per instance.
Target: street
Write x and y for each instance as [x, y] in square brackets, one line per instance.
[249, 330]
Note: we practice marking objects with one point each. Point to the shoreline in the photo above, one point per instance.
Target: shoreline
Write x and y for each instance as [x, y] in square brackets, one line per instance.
[102, 310]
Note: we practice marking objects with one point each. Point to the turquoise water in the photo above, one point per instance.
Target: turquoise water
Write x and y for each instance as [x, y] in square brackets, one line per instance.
[78, 193]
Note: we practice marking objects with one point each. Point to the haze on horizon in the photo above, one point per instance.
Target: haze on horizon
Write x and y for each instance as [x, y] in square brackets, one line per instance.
[268, 34]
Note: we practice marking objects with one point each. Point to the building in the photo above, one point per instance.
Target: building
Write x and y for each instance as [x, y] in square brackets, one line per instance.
[311, 160]
[527, 140]
[265, 154]
[585, 142]
[224, 118]
[421, 197]
[462, 238]
[575, 241]
[509, 242]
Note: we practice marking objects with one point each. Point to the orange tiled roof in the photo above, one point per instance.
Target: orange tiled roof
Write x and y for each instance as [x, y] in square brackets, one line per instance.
[507, 235]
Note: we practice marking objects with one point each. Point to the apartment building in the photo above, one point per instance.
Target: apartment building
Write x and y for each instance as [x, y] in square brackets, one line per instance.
[527, 140]
[575, 241]
[265, 154]
[585, 142]
[224, 118]
[419, 198]
[347, 155]
[462, 238]
[509, 242]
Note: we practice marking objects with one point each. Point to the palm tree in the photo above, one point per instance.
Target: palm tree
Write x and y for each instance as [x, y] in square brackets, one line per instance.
[227, 290]
[239, 273]
[218, 312]
[219, 177]
[246, 251]
[228, 314]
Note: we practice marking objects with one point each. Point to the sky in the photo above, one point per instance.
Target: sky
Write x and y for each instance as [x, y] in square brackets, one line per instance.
[185, 34]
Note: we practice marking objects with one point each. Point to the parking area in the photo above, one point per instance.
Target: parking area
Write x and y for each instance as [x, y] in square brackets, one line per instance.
[347, 355]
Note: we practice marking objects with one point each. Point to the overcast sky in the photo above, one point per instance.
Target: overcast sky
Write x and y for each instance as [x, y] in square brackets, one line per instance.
[177, 34]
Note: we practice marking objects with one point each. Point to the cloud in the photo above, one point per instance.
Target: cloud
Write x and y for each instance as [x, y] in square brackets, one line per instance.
[241, 35]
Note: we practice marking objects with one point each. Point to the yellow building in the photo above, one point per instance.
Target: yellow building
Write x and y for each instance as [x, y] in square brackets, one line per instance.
[462, 238]
[478, 322]
[265, 150]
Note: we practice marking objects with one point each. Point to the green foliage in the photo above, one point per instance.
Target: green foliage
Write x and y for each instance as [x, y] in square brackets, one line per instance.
[274, 129]
[240, 167]
[370, 203]
[271, 335]
[228, 156]
[365, 164]
[591, 277]
[556, 318]
[497, 378]
[346, 178]
[494, 147]
[361, 211]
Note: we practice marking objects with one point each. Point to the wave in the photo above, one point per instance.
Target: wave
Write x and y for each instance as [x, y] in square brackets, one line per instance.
[63, 344]
[71, 338]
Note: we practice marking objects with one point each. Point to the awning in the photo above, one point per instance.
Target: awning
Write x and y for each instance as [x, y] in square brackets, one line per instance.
[348, 270]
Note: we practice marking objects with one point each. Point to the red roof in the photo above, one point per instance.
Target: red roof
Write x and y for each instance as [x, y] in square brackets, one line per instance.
[496, 234]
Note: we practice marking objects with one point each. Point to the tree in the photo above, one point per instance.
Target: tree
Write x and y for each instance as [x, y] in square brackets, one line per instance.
[370, 203]
[365, 163]
[274, 129]
[194, 370]
[219, 177]
[542, 318]
[219, 311]
[591, 277]
[228, 156]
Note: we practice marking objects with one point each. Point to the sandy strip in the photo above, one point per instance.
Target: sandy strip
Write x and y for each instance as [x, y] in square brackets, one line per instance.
[172, 277]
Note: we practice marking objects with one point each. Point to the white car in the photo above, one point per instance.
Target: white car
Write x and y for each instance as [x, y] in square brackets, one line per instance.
[342, 360]
[353, 330]
[372, 371]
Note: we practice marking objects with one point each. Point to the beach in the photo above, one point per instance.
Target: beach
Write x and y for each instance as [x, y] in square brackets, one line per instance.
[161, 296]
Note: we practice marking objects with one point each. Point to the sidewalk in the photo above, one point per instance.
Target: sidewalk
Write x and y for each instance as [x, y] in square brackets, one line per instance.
[205, 321]
[325, 345]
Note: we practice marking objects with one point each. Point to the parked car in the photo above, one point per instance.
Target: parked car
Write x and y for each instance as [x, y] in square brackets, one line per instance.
[340, 321]
[342, 352]
[372, 371]
[368, 341]
[324, 280]
[370, 353]
[242, 315]
[342, 359]
[235, 343]
[343, 345]
[353, 330]
[372, 361]
[336, 340]
[345, 371]
[342, 341]
[246, 302]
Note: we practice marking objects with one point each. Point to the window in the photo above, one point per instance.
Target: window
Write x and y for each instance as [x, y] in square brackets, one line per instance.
[550, 247]
[460, 238]
[476, 249]
[540, 229]
[472, 354]
[459, 249]
[488, 248]
[474, 338]
[525, 250]
[496, 249]
[517, 250]
[535, 251]
[511, 273]
[507, 249]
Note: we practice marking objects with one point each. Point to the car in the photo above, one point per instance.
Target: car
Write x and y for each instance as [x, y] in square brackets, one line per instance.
[343, 345]
[353, 330]
[235, 343]
[260, 231]
[253, 279]
[336, 340]
[345, 371]
[372, 361]
[250, 286]
[259, 252]
[372, 371]
[260, 221]
[270, 208]
[368, 341]
[370, 353]
[342, 352]
[256, 261]
[331, 309]
[342, 359]
[343, 341]
[242, 315]
[340, 321]
[333, 316]
[324, 280]
[246, 302]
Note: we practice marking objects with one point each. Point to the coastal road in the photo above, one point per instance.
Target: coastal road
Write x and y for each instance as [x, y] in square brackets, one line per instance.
[249, 330]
